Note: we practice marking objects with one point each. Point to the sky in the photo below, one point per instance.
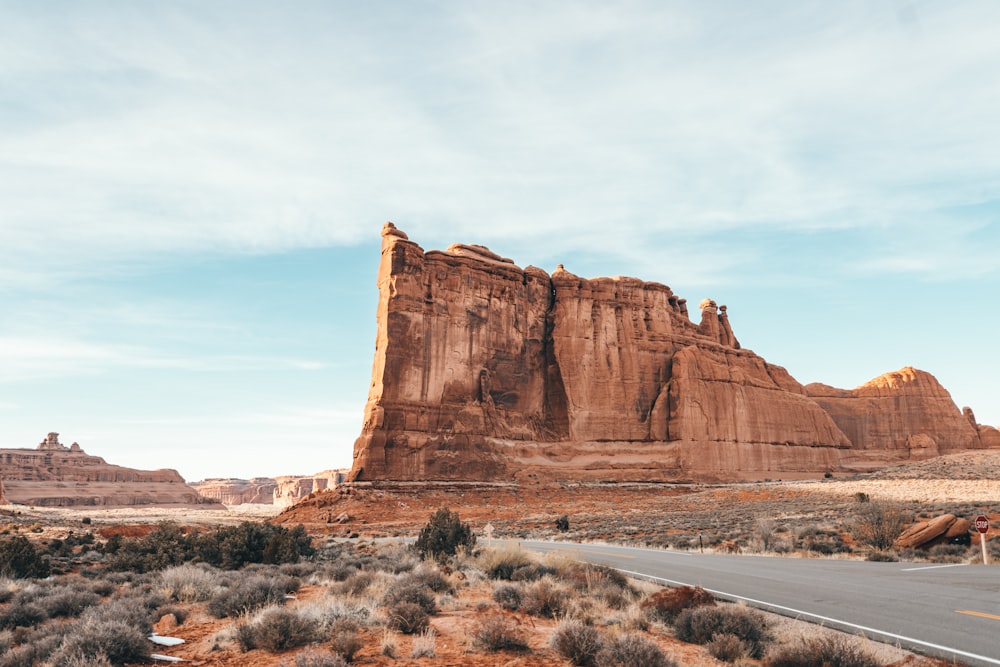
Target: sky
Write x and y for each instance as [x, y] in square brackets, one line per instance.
[191, 195]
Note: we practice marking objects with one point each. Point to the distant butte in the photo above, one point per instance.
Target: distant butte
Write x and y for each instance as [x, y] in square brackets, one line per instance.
[485, 371]
[54, 475]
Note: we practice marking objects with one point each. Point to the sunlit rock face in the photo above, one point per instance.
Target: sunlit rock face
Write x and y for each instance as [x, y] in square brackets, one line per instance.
[486, 371]
[54, 475]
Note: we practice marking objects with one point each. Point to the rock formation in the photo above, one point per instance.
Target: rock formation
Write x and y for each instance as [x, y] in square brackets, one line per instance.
[234, 491]
[944, 529]
[281, 491]
[484, 370]
[54, 475]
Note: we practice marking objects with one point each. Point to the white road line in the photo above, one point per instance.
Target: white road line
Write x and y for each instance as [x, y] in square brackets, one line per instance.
[827, 619]
[932, 567]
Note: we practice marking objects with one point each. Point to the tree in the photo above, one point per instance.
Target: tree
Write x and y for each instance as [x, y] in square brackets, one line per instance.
[20, 559]
[443, 535]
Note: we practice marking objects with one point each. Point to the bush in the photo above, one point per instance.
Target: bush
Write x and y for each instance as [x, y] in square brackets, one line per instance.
[830, 651]
[665, 605]
[882, 557]
[408, 618]
[699, 625]
[577, 642]
[424, 645]
[497, 631]
[188, 583]
[278, 629]
[543, 598]
[632, 650]
[503, 563]
[232, 547]
[562, 523]
[508, 596]
[443, 535]
[878, 523]
[413, 593]
[21, 615]
[247, 595]
[68, 603]
[19, 559]
[727, 647]
[115, 640]
[315, 659]
[344, 638]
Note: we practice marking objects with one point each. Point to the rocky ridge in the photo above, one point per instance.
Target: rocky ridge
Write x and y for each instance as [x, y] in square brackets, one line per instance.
[486, 371]
[281, 491]
[54, 475]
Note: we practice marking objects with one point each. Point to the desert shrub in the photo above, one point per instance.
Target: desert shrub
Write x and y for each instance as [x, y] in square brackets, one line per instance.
[20, 614]
[246, 595]
[699, 625]
[165, 545]
[431, 578]
[407, 617]
[232, 547]
[134, 612]
[116, 640]
[188, 583]
[508, 596]
[19, 559]
[599, 581]
[443, 535]
[389, 646]
[315, 659]
[632, 650]
[424, 645]
[31, 653]
[544, 598]
[562, 523]
[411, 592]
[497, 631]
[344, 638]
[948, 553]
[878, 523]
[665, 605]
[727, 647]
[531, 572]
[68, 603]
[501, 564]
[577, 642]
[179, 613]
[878, 556]
[278, 629]
[355, 584]
[828, 651]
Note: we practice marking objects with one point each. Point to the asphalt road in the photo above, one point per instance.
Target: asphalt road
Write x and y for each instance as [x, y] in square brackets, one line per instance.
[949, 611]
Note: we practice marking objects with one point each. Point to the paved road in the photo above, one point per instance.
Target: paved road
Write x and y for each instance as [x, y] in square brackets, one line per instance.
[950, 611]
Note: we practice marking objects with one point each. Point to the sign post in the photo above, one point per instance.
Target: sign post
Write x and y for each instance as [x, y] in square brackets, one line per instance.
[983, 526]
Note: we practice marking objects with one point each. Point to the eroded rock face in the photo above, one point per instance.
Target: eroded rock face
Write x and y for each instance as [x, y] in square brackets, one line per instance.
[235, 491]
[484, 370]
[291, 489]
[53, 475]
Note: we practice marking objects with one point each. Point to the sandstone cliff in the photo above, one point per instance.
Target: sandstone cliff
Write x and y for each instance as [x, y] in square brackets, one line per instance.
[54, 475]
[484, 370]
[234, 491]
[282, 491]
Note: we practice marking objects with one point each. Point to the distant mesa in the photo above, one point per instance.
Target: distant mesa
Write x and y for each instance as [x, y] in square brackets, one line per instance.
[54, 475]
[486, 371]
[283, 491]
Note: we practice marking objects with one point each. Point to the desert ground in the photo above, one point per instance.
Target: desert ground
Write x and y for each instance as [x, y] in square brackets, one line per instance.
[790, 519]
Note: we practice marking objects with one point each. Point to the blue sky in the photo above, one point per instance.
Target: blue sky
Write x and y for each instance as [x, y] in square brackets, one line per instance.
[191, 195]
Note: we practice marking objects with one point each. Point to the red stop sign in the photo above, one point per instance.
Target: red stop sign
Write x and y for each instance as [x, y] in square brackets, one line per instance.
[982, 524]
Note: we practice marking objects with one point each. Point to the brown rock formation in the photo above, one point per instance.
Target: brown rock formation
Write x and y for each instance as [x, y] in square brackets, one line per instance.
[291, 489]
[945, 529]
[485, 371]
[898, 416]
[282, 491]
[54, 475]
[234, 491]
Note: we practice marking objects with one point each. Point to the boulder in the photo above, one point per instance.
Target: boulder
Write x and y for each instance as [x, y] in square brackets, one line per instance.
[944, 529]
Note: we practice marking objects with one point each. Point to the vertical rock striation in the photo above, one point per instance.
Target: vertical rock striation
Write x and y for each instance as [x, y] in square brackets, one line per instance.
[484, 370]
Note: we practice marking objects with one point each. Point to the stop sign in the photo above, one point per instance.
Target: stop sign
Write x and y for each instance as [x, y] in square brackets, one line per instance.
[982, 524]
